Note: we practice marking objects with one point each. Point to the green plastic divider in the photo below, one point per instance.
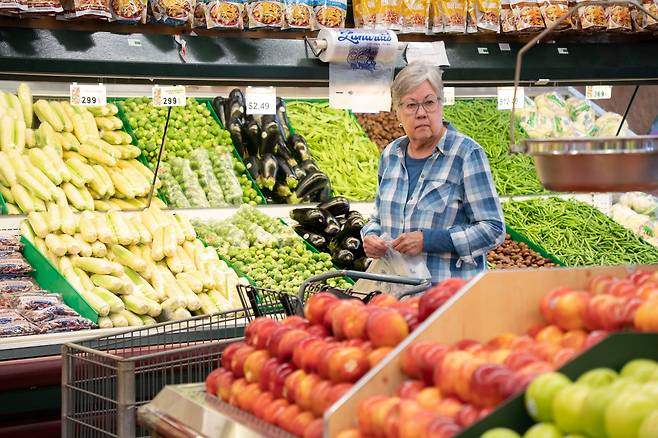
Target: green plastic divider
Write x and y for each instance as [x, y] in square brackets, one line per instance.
[613, 352]
[3, 206]
[236, 155]
[518, 237]
[49, 278]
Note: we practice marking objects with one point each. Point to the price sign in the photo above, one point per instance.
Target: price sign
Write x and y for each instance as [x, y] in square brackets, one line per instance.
[168, 96]
[448, 95]
[88, 95]
[506, 95]
[260, 100]
[595, 92]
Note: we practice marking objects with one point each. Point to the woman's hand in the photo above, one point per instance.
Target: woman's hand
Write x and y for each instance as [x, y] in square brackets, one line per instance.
[409, 243]
[374, 246]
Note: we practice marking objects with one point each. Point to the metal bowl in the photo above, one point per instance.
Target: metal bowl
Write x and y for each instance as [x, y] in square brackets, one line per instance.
[596, 164]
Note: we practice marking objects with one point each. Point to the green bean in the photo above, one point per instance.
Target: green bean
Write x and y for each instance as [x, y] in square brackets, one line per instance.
[577, 233]
[339, 146]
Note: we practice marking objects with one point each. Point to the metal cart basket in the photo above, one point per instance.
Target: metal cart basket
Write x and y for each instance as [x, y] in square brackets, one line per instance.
[278, 305]
[105, 379]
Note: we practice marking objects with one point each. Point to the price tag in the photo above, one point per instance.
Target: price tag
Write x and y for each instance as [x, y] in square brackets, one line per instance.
[260, 100]
[173, 95]
[448, 95]
[598, 92]
[88, 95]
[506, 95]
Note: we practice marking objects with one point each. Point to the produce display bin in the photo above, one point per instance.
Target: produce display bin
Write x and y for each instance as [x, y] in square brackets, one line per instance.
[612, 352]
[105, 379]
[492, 303]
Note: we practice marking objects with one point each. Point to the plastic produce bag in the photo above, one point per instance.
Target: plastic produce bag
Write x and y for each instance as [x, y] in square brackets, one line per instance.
[171, 189]
[394, 263]
[188, 181]
[200, 162]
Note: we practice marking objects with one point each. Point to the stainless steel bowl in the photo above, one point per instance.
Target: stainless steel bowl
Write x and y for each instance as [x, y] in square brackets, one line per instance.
[596, 164]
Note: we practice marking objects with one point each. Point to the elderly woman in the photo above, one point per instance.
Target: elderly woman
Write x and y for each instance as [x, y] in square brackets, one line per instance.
[436, 196]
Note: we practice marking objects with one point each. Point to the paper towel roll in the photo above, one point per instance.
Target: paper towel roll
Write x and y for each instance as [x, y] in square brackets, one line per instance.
[361, 49]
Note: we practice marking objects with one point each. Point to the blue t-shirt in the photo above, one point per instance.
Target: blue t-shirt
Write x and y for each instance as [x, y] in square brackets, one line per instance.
[433, 240]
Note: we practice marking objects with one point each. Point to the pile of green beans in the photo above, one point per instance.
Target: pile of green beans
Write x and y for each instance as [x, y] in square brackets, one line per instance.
[339, 146]
[577, 233]
[480, 119]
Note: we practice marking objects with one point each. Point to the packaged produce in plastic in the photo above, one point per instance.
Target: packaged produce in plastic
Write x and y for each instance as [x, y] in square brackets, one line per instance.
[365, 13]
[14, 264]
[454, 16]
[188, 181]
[471, 17]
[642, 203]
[44, 7]
[488, 15]
[20, 327]
[527, 15]
[48, 313]
[34, 301]
[171, 189]
[172, 12]
[507, 22]
[199, 15]
[551, 104]
[619, 18]
[129, 11]
[388, 15]
[8, 316]
[592, 17]
[642, 21]
[582, 114]
[200, 163]
[299, 14]
[436, 20]
[222, 165]
[537, 125]
[415, 15]
[225, 14]
[66, 324]
[265, 14]
[330, 13]
[13, 285]
[13, 6]
[608, 124]
[553, 10]
[86, 8]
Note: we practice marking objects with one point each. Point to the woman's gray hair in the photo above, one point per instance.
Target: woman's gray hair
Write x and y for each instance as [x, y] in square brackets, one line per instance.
[412, 76]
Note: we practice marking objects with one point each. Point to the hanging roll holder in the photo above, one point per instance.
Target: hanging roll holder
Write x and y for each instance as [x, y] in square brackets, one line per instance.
[589, 164]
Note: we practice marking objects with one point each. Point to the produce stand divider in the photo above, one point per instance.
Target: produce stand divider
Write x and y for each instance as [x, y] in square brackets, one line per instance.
[237, 156]
[3, 205]
[612, 352]
[518, 237]
[49, 278]
[492, 303]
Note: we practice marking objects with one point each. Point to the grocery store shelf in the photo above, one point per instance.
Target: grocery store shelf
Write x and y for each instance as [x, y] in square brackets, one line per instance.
[65, 55]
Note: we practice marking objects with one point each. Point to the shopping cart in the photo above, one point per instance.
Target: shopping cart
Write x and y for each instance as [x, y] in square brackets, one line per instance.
[278, 305]
[106, 379]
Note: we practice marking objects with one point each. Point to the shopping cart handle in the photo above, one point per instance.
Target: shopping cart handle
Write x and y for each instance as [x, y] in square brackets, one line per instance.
[421, 283]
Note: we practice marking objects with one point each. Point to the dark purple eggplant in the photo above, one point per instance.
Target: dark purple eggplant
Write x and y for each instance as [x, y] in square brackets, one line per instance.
[333, 227]
[235, 129]
[300, 174]
[309, 166]
[235, 107]
[254, 166]
[343, 258]
[218, 106]
[270, 167]
[282, 117]
[312, 183]
[269, 135]
[284, 174]
[362, 264]
[325, 194]
[283, 151]
[311, 218]
[298, 145]
[337, 206]
[352, 226]
[317, 240]
[351, 243]
[251, 133]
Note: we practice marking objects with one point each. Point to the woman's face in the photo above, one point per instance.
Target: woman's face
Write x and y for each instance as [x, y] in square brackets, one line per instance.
[421, 113]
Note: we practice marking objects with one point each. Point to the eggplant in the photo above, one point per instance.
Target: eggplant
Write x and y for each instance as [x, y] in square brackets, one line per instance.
[337, 206]
[254, 166]
[299, 146]
[284, 152]
[235, 106]
[285, 174]
[309, 166]
[352, 226]
[311, 218]
[251, 132]
[324, 194]
[300, 174]
[343, 258]
[315, 239]
[282, 117]
[218, 106]
[362, 264]
[313, 182]
[351, 243]
[235, 129]
[333, 227]
[270, 167]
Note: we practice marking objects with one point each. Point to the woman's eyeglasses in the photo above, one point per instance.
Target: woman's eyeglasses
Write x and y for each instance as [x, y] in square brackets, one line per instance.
[411, 108]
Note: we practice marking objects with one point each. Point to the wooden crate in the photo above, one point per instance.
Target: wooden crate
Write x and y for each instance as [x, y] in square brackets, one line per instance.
[493, 303]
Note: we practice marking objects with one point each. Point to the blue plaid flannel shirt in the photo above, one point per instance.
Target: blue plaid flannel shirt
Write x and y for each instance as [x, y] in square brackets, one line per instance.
[455, 192]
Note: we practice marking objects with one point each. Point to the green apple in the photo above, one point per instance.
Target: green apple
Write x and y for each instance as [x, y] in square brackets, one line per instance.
[598, 377]
[543, 430]
[625, 413]
[500, 432]
[650, 389]
[568, 407]
[594, 410]
[641, 370]
[649, 427]
[540, 393]
[624, 384]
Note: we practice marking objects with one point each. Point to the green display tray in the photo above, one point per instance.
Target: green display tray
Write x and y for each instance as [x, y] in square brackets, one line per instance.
[49, 278]
[613, 352]
[518, 237]
[3, 205]
[236, 155]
